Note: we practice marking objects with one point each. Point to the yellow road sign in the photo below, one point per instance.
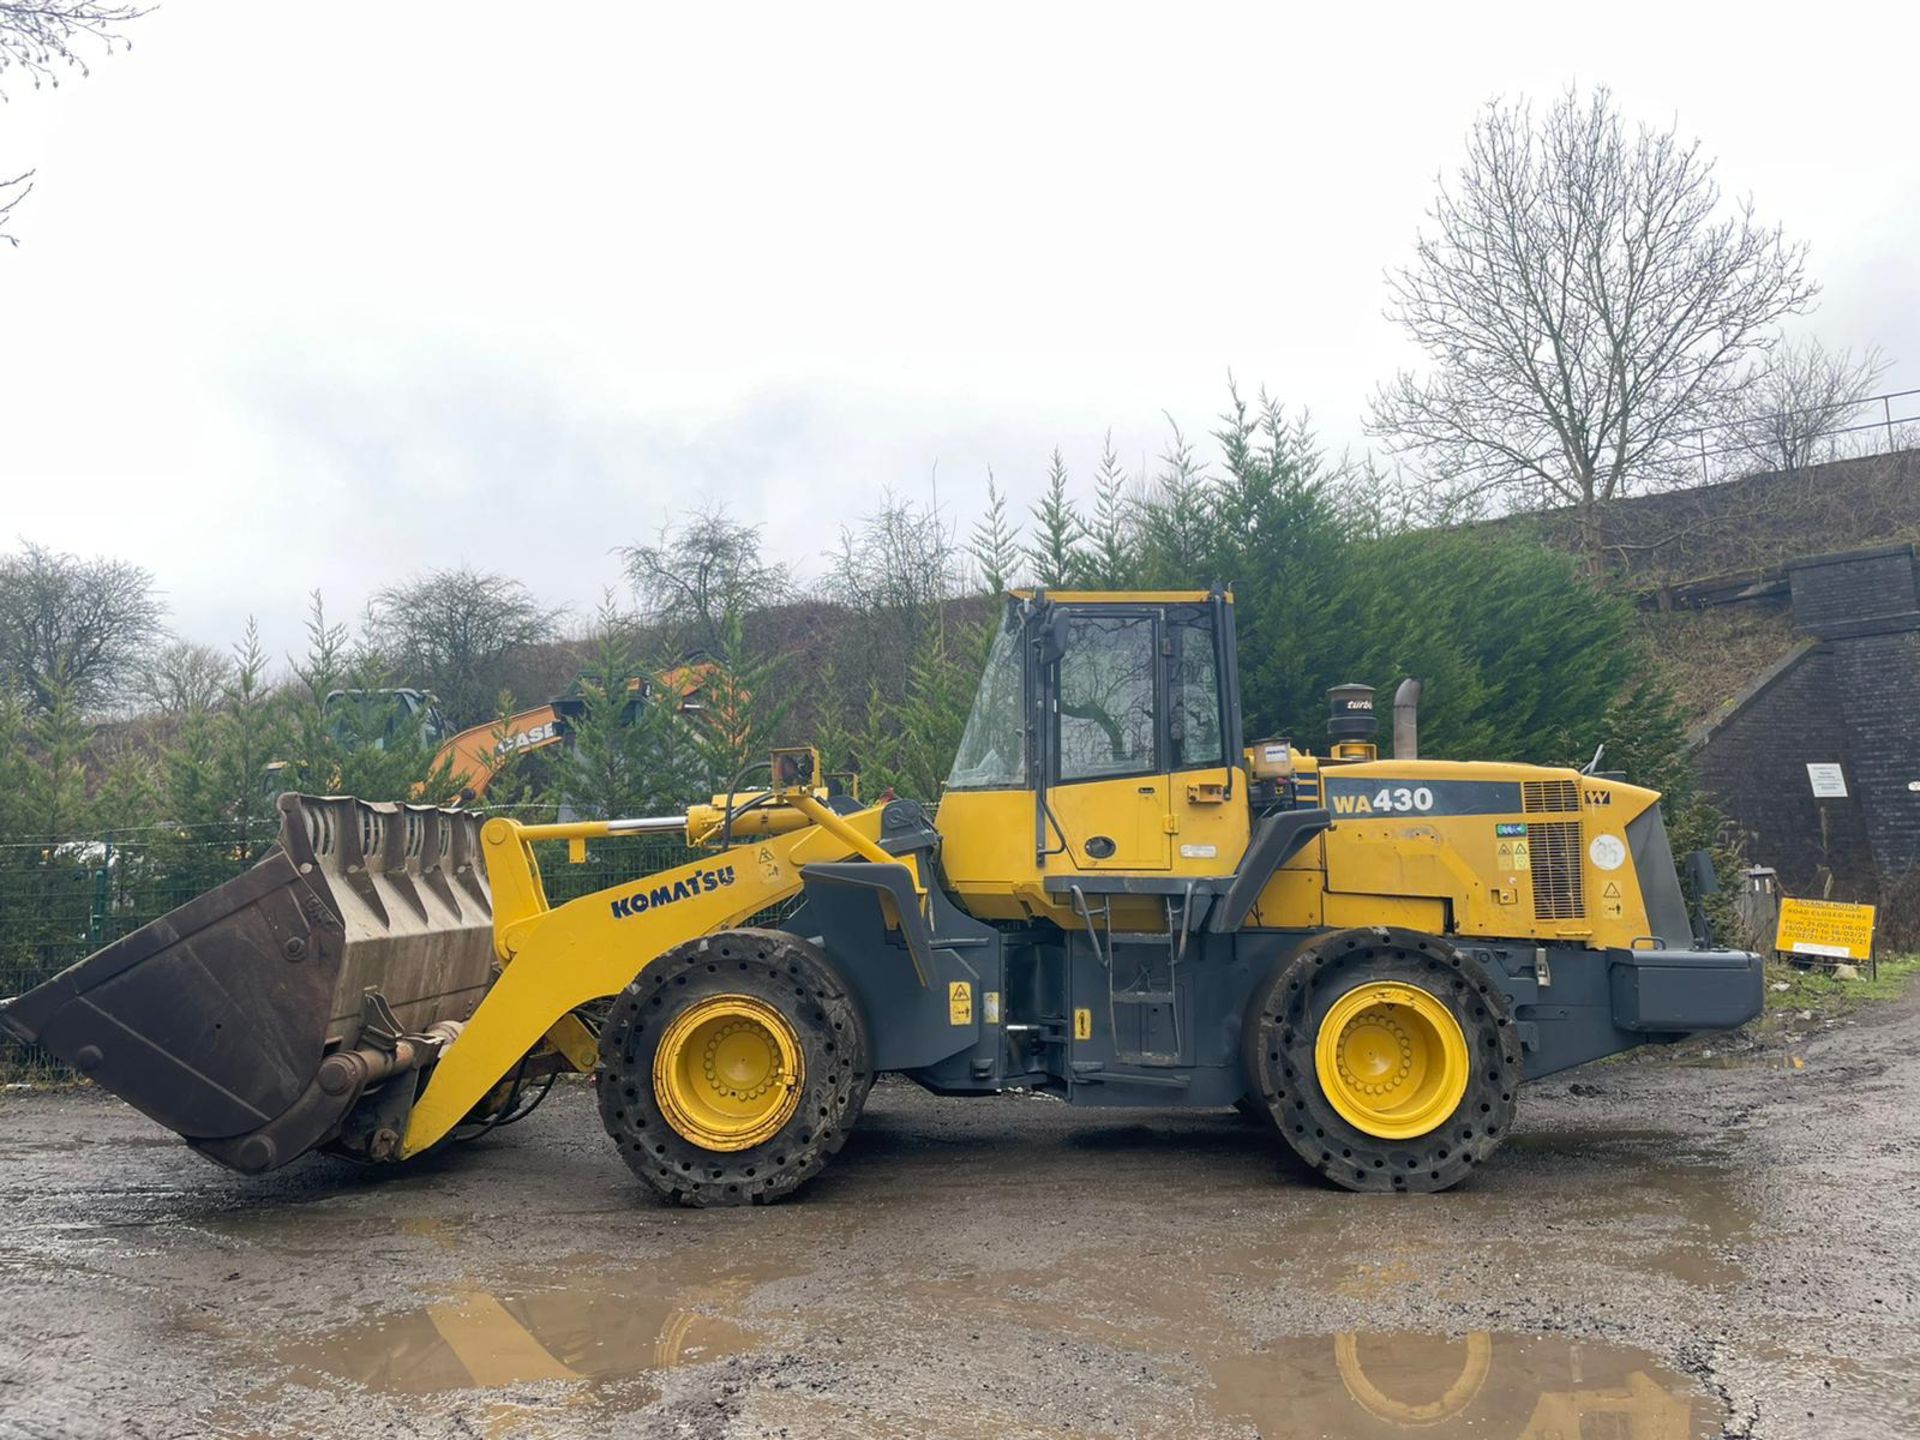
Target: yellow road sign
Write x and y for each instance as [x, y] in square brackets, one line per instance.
[1825, 928]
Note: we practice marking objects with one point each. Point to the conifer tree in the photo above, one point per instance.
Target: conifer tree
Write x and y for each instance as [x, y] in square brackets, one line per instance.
[995, 543]
[1112, 559]
[1054, 554]
[632, 751]
[1175, 534]
[347, 731]
[743, 704]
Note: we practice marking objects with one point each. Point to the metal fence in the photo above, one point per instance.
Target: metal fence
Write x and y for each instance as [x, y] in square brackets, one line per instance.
[1839, 430]
[62, 899]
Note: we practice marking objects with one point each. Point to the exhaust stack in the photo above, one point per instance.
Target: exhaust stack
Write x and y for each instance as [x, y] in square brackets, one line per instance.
[1406, 721]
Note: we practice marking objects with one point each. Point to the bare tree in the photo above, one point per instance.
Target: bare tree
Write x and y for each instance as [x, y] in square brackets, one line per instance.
[895, 574]
[1795, 410]
[901, 559]
[185, 677]
[46, 40]
[76, 628]
[1585, 304]
[698, 574]
[43, 41]
[12, 192]
[452, 632]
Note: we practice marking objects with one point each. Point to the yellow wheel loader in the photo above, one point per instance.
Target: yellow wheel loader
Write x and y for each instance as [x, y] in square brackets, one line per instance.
[1118, 903]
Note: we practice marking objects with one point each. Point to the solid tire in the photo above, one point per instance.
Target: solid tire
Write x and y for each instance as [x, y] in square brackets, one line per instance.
[1282, 1027]
[798, 980]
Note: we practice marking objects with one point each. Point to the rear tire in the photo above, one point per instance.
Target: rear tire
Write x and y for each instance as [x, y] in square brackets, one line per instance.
[1432, 1021]
[1249, 1107]
[733, 1067]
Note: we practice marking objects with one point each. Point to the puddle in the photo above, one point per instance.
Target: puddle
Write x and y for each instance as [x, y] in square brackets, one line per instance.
[572, 1345]
[1514, 1387]
[594, 1327]
[544, 1353]
[1687, 1210]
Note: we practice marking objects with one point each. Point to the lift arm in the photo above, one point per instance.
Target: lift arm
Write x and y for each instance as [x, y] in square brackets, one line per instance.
[555, 959]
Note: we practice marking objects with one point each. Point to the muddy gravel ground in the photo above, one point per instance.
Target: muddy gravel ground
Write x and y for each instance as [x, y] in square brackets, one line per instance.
[1718, 1241]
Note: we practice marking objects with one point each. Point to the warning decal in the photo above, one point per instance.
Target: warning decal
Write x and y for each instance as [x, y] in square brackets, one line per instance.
[960, 1003]
[1083, 1024]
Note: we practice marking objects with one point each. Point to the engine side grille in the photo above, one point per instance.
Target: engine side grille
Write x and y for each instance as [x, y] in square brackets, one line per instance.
[1549, 795]
[1554, 856]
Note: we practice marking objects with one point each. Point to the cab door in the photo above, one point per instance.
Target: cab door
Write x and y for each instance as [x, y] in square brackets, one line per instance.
[1208, 816]
[1109, 791]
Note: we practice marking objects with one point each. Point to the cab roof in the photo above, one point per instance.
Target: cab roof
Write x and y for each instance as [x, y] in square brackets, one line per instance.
[1122, 597]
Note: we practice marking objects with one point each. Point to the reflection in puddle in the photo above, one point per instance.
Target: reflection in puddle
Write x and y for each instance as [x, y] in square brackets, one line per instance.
[1513, 1387]
[577, 1346]
[594, 1328]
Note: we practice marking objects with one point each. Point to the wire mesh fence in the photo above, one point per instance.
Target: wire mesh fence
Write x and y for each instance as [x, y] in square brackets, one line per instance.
[63, 899]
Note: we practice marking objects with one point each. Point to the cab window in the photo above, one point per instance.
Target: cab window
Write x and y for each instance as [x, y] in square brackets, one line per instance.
[1193, 722]
[1106, 714]
[993, 749]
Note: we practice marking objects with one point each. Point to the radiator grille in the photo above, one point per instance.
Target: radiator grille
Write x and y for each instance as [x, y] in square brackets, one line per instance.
[1549, 795]
[1554, 855]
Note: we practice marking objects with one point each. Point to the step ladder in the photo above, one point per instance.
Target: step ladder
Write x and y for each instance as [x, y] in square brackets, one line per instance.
[1143, 971]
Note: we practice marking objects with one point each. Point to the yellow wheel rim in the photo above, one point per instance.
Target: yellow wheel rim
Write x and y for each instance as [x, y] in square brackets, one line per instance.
[728, 1071]
[1391, 1059]
[1474, 1366]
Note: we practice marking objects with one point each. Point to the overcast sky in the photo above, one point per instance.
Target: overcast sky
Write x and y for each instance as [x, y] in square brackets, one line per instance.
[322, 295]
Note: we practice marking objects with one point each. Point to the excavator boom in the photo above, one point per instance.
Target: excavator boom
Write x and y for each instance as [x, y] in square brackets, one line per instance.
[476, 753]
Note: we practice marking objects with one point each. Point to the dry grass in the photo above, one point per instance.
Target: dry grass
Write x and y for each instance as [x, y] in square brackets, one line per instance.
[1709, 656]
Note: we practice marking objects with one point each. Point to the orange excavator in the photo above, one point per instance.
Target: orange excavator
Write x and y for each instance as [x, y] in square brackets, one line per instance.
[478, 752]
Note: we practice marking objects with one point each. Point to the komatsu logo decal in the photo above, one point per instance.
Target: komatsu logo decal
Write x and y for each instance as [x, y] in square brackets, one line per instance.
[698, 883]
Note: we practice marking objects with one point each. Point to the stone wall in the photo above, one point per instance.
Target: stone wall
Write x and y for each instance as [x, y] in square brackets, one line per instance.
[1847, 694]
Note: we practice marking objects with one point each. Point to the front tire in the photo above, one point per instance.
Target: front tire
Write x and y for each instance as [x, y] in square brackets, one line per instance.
[733, 1067]
[1386, 1058]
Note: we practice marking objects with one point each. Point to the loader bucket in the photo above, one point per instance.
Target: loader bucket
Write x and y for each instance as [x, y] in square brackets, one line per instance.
[221, 1018]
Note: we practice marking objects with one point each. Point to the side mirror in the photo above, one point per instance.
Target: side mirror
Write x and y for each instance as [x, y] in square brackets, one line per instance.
[1050, 638]
[1705, 881]
[1701, 874]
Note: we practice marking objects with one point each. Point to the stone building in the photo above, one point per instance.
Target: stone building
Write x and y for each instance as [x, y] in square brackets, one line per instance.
[1844, 700]
[1783, 609]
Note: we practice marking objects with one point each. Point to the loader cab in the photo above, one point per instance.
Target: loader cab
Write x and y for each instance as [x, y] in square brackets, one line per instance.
[1103, 748]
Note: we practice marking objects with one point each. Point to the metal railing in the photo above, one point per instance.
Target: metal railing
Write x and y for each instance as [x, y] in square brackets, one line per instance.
[1842, 430]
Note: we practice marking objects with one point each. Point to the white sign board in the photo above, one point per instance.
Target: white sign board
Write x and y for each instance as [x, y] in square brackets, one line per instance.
[1828, 782]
